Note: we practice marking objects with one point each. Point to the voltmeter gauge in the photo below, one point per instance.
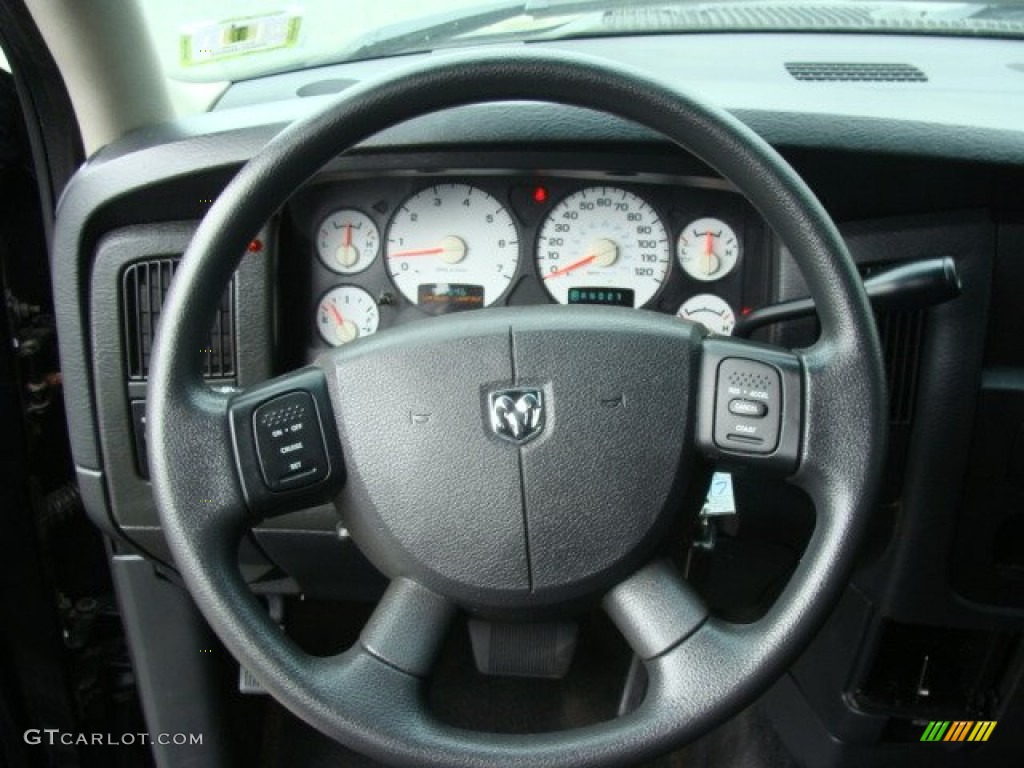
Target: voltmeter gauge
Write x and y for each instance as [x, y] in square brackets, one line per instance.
[708, 249]
[710, 311]
[347, 241]
[345, 314]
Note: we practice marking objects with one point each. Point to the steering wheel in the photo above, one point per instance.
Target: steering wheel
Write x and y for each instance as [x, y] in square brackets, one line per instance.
[517, 462]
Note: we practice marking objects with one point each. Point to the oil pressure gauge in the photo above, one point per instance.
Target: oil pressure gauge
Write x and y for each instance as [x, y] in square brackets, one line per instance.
[346, 313]
[347, 241]
[710, 311]
[708, 249]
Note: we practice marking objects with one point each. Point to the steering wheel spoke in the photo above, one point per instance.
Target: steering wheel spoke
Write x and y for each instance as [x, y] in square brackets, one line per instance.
[285, 443]
[655, 609]
[408, 627]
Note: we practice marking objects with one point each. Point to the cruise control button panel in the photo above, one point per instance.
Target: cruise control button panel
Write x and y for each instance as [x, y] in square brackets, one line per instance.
[289, 442]
[748, 406]
[287, 450]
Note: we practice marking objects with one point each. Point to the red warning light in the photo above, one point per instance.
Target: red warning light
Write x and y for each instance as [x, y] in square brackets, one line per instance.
[540, 194]
[746, 311]
[255, 246]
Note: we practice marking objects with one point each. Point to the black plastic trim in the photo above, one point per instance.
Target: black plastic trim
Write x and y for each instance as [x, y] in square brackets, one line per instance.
[130, 498]
[175, 656]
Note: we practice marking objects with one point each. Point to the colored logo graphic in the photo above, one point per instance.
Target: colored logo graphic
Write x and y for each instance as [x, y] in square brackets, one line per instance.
[958, 730]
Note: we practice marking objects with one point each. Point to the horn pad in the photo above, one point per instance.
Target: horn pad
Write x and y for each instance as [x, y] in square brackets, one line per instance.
[516, 458]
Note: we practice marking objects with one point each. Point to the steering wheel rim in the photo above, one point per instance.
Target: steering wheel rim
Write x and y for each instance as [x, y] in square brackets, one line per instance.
[700, 670]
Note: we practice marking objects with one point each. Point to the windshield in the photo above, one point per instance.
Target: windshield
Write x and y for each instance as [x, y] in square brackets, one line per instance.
[230, 40]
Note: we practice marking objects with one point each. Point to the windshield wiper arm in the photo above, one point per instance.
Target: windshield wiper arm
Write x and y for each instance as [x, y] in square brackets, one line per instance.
[424, 32]
[428, 32]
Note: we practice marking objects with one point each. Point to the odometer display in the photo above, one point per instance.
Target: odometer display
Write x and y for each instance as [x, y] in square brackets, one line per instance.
[611, 297]
[603, 237]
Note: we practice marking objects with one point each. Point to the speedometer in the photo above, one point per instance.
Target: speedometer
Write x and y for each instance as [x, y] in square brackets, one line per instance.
[603, 245]
[451, 247]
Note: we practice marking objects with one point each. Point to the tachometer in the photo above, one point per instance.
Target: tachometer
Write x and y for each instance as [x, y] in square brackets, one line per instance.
[603, 245]
[451, 247]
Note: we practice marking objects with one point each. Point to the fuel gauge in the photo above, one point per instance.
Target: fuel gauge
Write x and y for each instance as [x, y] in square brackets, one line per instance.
[710, 311]
[345, 314]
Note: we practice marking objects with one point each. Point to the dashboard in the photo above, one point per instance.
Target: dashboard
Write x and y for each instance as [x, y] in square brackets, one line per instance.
[378, 251]
[503, 205]
[904, 178]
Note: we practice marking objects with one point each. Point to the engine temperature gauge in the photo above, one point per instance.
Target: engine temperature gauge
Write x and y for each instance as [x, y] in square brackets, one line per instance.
[708, 249]
[347, 241]
[346, 313]
[710, 311]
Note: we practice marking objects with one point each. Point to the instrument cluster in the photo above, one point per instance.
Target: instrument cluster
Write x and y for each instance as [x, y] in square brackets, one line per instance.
[389, 249]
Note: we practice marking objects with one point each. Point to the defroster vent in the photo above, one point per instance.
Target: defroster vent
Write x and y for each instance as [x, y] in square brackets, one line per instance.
[143, 290]
[855, 72]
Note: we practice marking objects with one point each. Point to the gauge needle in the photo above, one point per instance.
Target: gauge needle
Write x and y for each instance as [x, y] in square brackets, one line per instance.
[420, 252]
[575, 265]
[709, 246]
[337, 315]
[348, 236]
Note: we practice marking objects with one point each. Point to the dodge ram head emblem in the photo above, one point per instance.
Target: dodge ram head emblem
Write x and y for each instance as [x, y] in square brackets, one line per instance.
[517, 415]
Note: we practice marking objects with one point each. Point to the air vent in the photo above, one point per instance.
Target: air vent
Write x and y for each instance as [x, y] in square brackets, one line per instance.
[900, 333]
[736, 17]
[937, 19]
[855, 72]
[144, 287]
